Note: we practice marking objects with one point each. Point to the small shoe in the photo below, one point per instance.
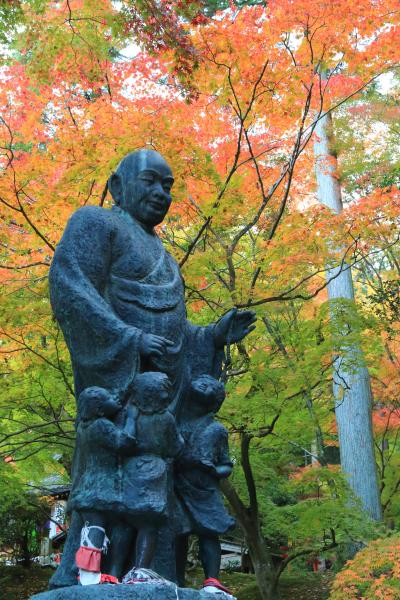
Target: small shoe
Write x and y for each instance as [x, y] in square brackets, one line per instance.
[214, 586]
[108, 578]
[140, 575]
[89, 577]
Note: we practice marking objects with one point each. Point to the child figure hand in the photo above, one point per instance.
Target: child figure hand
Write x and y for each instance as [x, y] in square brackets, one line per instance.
[223, 471]
[207, 466]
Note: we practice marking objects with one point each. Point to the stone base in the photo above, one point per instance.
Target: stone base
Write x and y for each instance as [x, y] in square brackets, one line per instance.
[139, 591]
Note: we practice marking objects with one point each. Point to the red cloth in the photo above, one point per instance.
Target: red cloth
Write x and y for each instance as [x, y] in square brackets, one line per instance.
[88, 559]
[215, 583]
[108, 578]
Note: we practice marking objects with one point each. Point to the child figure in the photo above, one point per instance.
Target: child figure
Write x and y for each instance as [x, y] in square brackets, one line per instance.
[204, 462]
[99, 444]
[123, 478]
[147, 476]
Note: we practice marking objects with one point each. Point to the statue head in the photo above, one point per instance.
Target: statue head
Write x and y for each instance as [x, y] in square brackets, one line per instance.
[96, 402]
[152, 392]
[141, 185]
[207, 394]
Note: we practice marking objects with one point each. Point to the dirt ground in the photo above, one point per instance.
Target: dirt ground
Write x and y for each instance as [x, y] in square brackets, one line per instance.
[17, 583]
[307, 586]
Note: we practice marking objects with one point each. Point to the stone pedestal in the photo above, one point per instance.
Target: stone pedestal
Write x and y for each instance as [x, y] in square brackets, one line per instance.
[139, 591]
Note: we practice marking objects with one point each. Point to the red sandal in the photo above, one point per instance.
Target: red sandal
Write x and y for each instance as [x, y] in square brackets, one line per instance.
[214, 585]
[108, 578]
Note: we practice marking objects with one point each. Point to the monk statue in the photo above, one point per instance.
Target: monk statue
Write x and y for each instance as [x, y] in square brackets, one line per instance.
[118, 296]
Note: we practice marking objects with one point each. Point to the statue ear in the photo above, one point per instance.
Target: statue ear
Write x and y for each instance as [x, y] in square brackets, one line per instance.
[116, 188]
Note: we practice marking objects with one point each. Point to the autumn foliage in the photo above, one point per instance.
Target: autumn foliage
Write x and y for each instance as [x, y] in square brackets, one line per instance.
[231, 99]
[373, 573]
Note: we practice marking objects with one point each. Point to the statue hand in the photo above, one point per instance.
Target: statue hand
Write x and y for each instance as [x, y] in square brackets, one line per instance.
[223, 471]
[205, 465]
[153, 345]
[127, 443]
[235, 325]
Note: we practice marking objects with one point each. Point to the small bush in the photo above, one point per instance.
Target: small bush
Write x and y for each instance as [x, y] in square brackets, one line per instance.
[374, 573]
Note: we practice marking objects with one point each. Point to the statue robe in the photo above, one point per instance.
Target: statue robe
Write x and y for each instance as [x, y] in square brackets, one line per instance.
[110, 280]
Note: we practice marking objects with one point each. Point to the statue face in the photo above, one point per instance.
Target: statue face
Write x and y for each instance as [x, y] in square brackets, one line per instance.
[147, 196]
[208, 393]
[99, 403]
[154, 394]
[111, 407]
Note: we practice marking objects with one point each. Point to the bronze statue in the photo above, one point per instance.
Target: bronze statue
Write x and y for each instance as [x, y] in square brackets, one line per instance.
[119, 298]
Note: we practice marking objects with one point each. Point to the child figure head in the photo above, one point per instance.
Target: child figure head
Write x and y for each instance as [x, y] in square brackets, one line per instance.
[152, 392]
[208, 393]
[95, 402]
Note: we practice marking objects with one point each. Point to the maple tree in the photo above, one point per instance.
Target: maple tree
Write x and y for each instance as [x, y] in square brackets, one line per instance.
[231, 99]
[374, 572]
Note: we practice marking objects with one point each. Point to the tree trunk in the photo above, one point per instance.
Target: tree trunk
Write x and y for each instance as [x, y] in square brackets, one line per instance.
[266, 572]
[353, 401]
[264, 568]
[26, 554]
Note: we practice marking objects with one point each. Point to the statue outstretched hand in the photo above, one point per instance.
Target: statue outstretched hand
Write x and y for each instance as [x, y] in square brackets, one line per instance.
[233, 327]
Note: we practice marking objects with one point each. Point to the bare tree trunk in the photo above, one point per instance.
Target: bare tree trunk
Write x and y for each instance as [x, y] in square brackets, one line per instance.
[352, 388]
[266, 572]
[26, 554]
